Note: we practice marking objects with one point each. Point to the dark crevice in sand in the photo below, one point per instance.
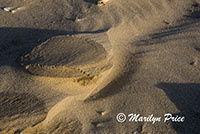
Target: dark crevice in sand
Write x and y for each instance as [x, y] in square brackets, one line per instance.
[186, 97]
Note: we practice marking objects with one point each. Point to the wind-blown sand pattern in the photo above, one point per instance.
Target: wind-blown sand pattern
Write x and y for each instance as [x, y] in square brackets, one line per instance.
[70, 66]
[70, 57]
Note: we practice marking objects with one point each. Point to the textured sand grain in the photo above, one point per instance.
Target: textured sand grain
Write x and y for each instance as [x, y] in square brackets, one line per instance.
[144, 58]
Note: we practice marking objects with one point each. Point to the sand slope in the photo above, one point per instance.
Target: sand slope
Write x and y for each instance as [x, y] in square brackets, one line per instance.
[70, 57]
[144, 57]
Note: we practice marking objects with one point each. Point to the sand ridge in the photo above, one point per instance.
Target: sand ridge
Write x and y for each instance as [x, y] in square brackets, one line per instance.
[71, 57]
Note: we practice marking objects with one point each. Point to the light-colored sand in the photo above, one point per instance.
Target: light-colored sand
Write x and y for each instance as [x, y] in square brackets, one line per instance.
[70, 57]
[130, 56]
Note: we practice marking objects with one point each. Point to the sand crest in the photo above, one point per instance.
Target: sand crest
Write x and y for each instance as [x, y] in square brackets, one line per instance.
[75, 66]
[70, 57]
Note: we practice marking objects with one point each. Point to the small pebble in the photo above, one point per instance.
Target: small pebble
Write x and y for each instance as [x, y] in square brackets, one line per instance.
[102, 2]
[194, 63]
[99, 125]
[7, 9]
[17, 9]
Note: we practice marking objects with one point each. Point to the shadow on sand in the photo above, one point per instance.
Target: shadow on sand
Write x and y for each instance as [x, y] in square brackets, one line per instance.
[92, 1]
[189, 24]
[186, 97]
[15, 104]
[15, 42]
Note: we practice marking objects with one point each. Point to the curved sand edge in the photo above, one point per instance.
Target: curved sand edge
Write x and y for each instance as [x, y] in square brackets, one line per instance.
[129, 85]
[66, 56]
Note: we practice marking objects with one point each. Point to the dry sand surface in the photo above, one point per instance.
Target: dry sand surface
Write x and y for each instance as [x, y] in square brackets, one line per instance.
[70, 66]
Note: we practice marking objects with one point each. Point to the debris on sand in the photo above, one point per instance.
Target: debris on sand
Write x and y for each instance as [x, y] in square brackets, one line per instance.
[12, 9]
[102, 2]
[7, 9]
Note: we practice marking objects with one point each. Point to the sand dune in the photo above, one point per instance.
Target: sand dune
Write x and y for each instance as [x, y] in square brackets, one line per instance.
[70, 66]
[71, 57]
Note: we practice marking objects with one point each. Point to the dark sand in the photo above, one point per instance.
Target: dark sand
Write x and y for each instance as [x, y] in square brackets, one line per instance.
[70, 66]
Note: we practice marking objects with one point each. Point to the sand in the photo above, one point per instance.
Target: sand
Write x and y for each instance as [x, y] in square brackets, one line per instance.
[70, 57]
[70, 66]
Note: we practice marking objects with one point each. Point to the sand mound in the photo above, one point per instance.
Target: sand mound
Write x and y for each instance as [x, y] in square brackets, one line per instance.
[66, 56]
[154, 68]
